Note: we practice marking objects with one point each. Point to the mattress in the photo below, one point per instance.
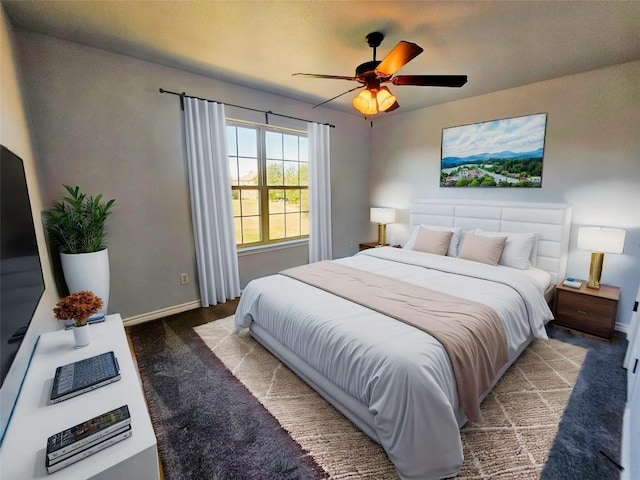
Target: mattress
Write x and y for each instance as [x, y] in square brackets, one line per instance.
[392, 380]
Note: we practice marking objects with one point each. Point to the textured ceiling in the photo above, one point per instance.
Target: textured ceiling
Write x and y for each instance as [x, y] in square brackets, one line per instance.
[498, 44]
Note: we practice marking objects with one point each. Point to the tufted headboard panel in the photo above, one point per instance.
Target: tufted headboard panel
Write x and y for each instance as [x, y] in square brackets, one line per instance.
[552, 222]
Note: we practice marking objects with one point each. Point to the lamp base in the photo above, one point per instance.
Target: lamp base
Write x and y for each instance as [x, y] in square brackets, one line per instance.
[595, 270]
[382, 234]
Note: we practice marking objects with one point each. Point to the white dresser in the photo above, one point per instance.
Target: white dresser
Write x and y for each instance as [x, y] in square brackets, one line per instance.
[22, 455]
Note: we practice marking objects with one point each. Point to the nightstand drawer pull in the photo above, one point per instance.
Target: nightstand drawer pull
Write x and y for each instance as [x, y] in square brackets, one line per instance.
[582, 312]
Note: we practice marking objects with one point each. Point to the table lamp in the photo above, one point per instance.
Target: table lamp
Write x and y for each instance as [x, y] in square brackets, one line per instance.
[600, 240]
[382, 216]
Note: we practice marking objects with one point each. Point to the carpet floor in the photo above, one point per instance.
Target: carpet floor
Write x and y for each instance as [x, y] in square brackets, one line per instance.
[224, 432]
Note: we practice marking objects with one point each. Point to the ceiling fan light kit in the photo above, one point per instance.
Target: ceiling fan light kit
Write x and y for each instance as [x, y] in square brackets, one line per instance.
[374, 98]
[369, 102]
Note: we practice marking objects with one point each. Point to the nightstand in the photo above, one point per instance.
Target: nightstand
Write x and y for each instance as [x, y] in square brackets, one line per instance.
[367, 245]
[586, 309]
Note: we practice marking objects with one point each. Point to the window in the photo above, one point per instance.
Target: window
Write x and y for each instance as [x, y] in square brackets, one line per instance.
[269, 184]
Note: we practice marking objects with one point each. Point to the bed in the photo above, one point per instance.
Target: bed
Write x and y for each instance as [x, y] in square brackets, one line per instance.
[391, 378]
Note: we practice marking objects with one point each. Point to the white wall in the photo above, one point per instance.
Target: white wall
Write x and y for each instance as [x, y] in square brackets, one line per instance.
[100, 123]
[591, 160]
[14, 135]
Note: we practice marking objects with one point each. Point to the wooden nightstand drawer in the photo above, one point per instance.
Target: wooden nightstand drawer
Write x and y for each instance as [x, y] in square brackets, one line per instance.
[590, 311]
[592, 305]
[585, 320]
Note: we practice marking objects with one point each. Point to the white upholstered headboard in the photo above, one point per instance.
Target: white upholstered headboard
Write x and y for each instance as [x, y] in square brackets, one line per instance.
[552, 222]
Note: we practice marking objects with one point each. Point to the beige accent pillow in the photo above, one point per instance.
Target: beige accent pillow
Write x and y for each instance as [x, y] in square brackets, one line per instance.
[482, 249]
[430, 241]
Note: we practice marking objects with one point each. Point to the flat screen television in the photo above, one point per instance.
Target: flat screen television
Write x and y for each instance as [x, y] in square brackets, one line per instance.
[21, 279]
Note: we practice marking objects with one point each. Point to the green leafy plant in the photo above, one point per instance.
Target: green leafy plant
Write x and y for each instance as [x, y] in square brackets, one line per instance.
[77, 223]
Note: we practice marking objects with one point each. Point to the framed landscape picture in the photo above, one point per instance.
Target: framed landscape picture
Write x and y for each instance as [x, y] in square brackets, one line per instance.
[499, 153]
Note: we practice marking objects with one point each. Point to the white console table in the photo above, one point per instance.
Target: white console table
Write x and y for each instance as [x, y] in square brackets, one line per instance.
[22, 455]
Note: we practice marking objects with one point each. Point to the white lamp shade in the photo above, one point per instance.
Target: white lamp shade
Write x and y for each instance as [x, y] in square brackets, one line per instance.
[383, 216]
[600, 239]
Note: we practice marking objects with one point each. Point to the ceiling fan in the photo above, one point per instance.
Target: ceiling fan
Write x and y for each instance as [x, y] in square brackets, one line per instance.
[374, 98]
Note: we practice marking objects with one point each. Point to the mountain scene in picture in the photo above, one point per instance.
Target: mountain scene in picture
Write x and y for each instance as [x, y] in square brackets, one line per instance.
[499, 153]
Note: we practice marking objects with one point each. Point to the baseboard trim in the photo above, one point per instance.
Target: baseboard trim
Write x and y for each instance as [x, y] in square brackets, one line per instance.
[622, 327]
[164, 312]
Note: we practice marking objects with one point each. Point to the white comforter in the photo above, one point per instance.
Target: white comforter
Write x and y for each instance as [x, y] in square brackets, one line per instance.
[400, 374]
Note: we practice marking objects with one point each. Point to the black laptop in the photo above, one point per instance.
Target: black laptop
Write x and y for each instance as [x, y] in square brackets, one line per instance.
[84, 375]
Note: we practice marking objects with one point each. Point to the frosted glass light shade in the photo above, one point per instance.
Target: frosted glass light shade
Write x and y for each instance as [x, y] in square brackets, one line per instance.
[383, 216]
[385, 99]
[600, 239]
[365, 103]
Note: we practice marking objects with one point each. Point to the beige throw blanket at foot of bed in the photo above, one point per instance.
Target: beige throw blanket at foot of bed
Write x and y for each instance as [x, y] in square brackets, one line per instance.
[470, 332]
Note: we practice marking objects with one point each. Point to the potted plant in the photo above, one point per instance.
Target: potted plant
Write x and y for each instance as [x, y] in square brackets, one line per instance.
[78, 306]
[77, 225]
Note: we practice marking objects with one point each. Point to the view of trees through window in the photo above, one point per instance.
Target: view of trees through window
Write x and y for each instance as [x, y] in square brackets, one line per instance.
[269, 184]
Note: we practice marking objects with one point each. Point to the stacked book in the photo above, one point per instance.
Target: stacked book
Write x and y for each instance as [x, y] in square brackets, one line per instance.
[87, 438]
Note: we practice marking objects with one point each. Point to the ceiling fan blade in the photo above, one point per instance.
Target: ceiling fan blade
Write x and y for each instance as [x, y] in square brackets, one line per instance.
[319, 75]
[343, 93]
[430, 80]
[401, 54]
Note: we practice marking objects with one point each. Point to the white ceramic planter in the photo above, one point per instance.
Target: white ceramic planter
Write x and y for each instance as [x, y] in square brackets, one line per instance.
[81, 336]
[88, 271]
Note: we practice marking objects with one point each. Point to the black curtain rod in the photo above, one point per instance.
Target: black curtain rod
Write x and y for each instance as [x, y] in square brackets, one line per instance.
[266, 112]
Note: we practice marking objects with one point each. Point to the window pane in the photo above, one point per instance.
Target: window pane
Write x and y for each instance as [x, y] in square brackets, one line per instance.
[250, 202]
[273, 145]
[304, 173]
[290, 147]
[276, 227]
[304, 200]
[247, 142]
[293, 200]
[276, 201]
[248, 170]
[250, 229]
[233, 170]
[235, 203]
[293, 224]
[304, 149]
[275, 174]
[304, 224]
[237, 227]
[291, 174]
[231, 141]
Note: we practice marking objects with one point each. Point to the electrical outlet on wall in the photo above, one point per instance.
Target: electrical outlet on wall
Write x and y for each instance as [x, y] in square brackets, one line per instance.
[184, 278]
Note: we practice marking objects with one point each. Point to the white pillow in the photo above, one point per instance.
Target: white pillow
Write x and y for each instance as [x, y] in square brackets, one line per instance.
[452, 251]
[517, 250]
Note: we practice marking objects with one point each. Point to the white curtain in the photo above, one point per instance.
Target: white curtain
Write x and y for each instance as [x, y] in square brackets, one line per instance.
[319, 192]
[211, 211]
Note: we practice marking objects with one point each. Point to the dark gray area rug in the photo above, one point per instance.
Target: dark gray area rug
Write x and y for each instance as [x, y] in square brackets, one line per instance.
[587, 445]
[212, 428]
[215, 429]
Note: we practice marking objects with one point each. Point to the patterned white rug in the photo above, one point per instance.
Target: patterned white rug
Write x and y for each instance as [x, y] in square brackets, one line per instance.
[520, 415]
